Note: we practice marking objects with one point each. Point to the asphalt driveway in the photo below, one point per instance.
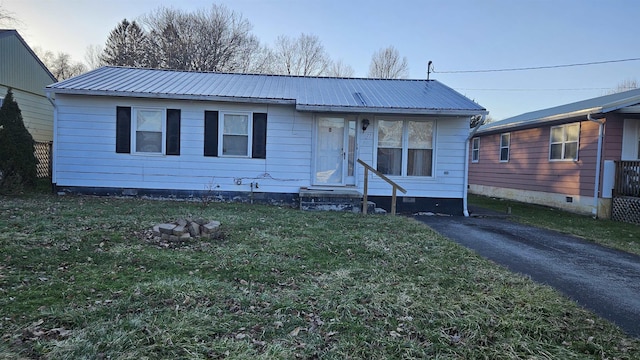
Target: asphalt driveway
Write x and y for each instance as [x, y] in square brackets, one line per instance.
[600, 279]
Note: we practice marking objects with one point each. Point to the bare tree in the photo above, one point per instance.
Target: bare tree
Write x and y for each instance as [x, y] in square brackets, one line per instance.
[6, 17]
[215, 39]
[340, 69]
[302, 56]
[625, 85]
[92, 56]
[475, 120]
[387, 64]
[255, 58]
[170, 38]
[61, 65]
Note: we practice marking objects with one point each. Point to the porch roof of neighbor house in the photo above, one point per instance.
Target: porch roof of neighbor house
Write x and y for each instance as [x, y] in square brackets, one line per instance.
[625, 101]
[320, 94]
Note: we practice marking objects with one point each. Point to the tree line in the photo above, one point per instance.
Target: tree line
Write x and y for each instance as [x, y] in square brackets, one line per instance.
[219, 39]
[210, 39]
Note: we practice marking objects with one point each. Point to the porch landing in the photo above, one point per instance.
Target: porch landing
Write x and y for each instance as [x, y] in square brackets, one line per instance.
[327, 199]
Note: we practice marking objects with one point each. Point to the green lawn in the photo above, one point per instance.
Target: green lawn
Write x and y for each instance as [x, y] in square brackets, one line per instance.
[615, 234]
[79, 278]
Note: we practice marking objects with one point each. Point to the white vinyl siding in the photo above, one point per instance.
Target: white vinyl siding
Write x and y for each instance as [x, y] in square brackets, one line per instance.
[564, 141]
[86, 136]
[85, 155]
[447, 180]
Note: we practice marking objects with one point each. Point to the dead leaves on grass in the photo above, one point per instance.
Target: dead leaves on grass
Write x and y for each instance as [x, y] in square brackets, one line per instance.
[36, 332]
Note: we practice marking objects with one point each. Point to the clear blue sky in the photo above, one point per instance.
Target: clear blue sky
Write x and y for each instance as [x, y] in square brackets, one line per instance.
[454, 34]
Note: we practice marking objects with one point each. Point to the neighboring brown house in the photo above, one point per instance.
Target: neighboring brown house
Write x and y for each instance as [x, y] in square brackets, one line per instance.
[565, 156]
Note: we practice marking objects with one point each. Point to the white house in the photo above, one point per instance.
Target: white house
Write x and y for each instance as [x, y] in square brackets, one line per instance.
[260, 137]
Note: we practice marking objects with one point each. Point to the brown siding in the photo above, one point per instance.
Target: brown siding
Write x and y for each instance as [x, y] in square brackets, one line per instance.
[612, 145]
[529, 167]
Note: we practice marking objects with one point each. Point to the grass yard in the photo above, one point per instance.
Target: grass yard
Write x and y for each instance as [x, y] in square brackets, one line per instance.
[79, 279]
[614, 234]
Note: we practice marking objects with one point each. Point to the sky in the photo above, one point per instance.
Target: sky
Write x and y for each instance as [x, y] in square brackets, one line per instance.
[456, 35]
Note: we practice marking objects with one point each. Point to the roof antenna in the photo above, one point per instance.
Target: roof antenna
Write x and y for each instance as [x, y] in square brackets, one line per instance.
[429, 68]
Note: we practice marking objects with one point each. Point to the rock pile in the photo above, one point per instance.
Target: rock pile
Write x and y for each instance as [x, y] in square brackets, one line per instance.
[187, 229]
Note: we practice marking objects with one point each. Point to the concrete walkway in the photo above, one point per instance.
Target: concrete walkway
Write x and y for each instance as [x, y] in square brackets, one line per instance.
[600, 279]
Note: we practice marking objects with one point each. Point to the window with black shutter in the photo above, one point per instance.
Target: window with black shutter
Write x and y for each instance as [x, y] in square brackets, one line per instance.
[259, 146]
[147, 131]
[123, 129]
[235, 134]
[210, 133]
[173, 132]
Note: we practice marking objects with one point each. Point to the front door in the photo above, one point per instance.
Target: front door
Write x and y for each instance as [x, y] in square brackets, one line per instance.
[335, 151]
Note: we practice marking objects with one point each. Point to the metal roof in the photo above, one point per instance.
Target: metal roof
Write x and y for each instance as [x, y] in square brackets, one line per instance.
[594, 106]
[307, 93]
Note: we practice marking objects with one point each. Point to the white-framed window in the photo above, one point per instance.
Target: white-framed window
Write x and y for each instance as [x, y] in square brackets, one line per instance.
[235, 129]
[405, 147]
[505, 143]
[563, 143]
[148, 127]
[475, 150]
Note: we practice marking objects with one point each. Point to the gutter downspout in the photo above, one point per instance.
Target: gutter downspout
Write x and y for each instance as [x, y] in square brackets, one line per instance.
[596, 190]
[55, 142]
[465, 211]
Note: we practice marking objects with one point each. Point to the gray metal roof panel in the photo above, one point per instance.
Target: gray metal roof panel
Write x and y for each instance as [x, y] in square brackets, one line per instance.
[317, 92]
[597, 105]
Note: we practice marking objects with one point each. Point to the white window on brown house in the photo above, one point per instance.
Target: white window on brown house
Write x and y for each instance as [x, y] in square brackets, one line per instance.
[563, 143]
[475, 150]
[505, 142]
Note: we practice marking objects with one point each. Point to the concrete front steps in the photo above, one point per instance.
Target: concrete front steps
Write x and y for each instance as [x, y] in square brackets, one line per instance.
[339, 199]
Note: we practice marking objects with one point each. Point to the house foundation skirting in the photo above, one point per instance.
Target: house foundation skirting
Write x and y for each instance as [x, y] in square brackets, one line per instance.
[572, 203]
[407, 205]
[411, 205]
[280, 199]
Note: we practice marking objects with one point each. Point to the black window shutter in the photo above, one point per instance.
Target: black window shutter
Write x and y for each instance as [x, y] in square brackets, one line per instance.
[123, 129]
[173, 132]
[259, 145]
[210, 133]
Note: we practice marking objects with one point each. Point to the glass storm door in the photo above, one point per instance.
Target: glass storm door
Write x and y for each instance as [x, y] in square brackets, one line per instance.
[351, 152]
[331, 152]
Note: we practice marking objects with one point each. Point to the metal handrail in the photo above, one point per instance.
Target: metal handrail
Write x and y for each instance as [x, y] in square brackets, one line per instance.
[395, 187]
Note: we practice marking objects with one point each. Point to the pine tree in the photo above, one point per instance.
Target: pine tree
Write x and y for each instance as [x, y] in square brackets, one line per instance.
[17, 159]
[126, 45]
